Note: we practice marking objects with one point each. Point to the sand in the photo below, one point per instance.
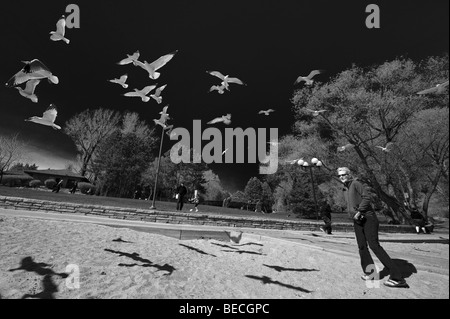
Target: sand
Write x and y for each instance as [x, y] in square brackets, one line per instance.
[69, 260]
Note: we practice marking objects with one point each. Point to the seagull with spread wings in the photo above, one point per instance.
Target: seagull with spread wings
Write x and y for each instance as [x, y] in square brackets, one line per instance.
[316, 113]
[60, 31]
[151, 68]
[386, 148]
[28, 92]
[226, 79]
[226, 119]
[157, 96]
[141, 93]
[131, 58]
[121, 81]
[438, 89]
[308, 79]
[266, 112]
[48, 118]
[33, 70]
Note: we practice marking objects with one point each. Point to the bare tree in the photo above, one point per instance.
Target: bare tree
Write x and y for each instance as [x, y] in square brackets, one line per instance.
[11, 152]
[88, 129]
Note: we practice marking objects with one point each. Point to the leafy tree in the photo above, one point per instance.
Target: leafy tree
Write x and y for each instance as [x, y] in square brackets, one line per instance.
[253, 190]
[22, 167]
[367, 108]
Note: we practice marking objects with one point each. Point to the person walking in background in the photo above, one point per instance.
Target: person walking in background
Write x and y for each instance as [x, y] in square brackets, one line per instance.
[195, 200]
[181, 192]
[57, 187]
[325, 214]
[366, 224]
[74, 188]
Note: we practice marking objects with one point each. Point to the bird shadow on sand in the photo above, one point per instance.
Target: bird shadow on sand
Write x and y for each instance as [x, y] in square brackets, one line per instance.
[144, 262]
[280, 268]
[28, 264]
[267, 280]
[225, 246]
[406, 268]
[248, 244]
[197, 250]
[244, 252]
[120, 240]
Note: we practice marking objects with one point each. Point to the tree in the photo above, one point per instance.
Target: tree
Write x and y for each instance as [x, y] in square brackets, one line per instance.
[253, 190]
[88, 130]
[214, 190]
[369, 108]
[22, 167]
[11, 151]
[267, 197]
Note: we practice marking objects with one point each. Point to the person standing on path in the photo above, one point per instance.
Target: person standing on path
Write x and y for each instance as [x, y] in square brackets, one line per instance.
[181, 192]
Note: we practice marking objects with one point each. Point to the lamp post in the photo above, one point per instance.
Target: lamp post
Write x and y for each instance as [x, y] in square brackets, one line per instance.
[157, 169]
[315, 163]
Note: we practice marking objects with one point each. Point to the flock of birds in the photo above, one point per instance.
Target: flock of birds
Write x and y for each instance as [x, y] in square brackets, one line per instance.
[35, 71]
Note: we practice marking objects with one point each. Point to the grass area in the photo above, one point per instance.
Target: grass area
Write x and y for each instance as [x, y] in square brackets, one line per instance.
[65, 196]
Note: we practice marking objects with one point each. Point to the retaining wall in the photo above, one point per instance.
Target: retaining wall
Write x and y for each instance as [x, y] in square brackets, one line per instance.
[178, 217]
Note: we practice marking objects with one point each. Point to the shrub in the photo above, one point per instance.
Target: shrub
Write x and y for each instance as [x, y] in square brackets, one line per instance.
[16, 180]
[85, 187]
[50, 183]
[35, 183]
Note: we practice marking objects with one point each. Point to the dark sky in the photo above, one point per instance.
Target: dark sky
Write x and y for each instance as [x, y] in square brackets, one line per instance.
[267, 44]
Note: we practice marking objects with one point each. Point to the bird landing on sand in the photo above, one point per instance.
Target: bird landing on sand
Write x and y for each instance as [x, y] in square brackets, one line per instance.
[33, 70]
[308, 79]
[235, 237]
[60, 31]
[48, 118]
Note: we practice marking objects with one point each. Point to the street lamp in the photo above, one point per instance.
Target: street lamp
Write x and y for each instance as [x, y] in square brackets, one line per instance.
[315, 163]
[162, 122]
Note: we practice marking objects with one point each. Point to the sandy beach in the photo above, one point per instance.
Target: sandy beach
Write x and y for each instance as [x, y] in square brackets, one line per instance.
[70, 260]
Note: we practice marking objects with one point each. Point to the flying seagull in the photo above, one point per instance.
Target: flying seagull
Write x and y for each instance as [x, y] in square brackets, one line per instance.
[315, 113]
[33, 70]
[48, 118]
[266, 112]
[157, 96]
[151, 68]
[164, 115]
[224, 151]
[60, 30]
[141, 93]
[219, 88]
[121, 81]
[308, 79]
[226, 79]
[438, 89]
[345, 147]
[28, 92]
[386, 148]
[133, 58]
[226, 119]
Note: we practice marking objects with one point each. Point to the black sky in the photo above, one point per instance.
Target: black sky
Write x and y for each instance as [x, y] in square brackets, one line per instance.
[267, 44]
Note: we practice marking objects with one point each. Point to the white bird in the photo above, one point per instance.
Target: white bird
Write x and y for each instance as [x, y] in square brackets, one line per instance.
[226, 79]
[28, 92]
[33, 70]
[345, 147]
[266, 112]
[141, 93]
[60, 31]
[438, 89]
[386, 148]
[224, 151]
[234, 237]
[48, 118]
[133, 58]
[121, 81]
[164, 115]
[308, 79]
[315, 113]
[226, 119]
[219, 88]
[157, 96]
[151, 68]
